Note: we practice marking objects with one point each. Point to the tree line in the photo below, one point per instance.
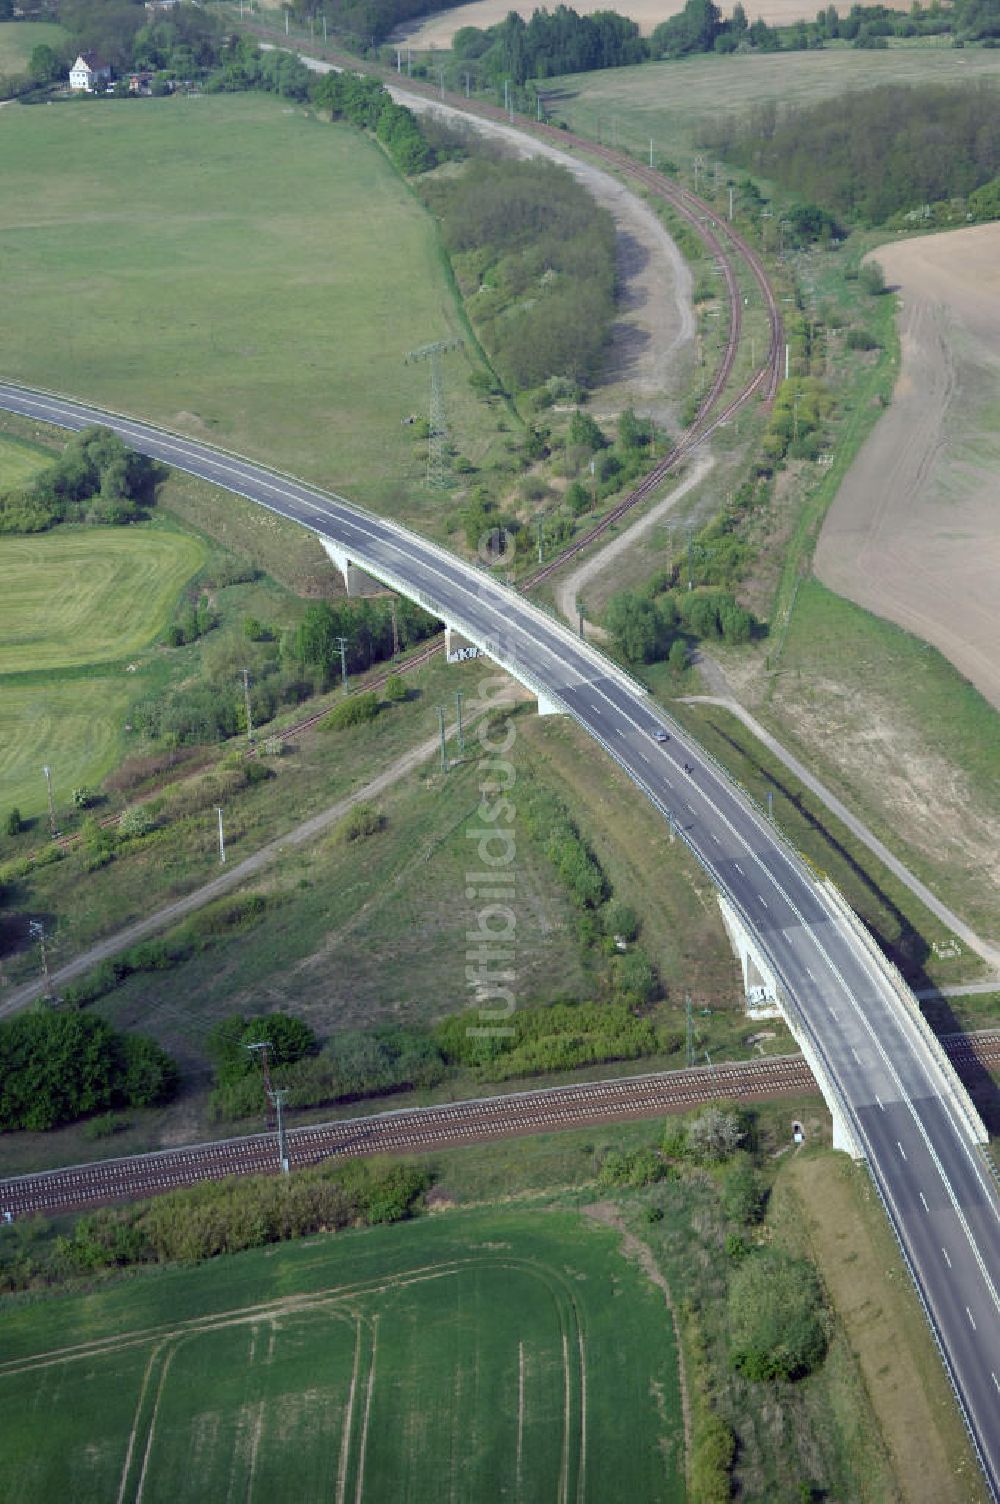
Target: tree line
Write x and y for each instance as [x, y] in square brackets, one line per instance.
[897, 147]
[562, 41]
[207, 1220]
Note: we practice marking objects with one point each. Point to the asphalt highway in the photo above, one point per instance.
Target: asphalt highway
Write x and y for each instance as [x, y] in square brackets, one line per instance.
[891, 1091]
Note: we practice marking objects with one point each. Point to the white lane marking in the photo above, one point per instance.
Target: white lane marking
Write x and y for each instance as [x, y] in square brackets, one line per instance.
[810, 975]
[996, 1381]
[948, 1261]
[832, 1012]
[900, 1148]
[739, 869]
[763, 900]
[359, 524]
[643, 756]
[971, 1319]
[714, 837]
[881, 1106]
[923, 1201]
[855, 1054]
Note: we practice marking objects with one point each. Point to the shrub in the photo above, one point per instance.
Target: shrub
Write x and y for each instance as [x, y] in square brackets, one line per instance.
[57, 1067]
[15, 824]
[353, 712]
[638, 1168]
[714, 1135]
[620, 919]
[744, 1195]
[860, 339]
[396, 689]
[776, 1317]
[872, 279]
[135, 821]
[359, 823]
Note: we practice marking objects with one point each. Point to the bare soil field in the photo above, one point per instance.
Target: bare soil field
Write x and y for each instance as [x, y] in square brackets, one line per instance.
[913, 533]
[438, 30]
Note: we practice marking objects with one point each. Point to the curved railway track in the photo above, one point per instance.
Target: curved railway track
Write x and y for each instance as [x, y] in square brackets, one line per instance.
[420, 1129]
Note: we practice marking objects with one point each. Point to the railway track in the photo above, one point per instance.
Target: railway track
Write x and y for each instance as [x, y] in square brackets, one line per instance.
[422, 1129]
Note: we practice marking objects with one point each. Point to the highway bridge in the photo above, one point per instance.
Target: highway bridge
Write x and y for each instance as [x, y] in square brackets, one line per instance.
[895, 1100]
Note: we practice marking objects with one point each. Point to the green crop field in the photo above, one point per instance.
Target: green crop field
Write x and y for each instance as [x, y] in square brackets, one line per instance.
[70, 598]
[669, 101]
[478, 1355]
[18, 39]
[237, 269]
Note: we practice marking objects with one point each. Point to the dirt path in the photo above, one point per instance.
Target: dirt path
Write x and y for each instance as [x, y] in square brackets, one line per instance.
[914, 531]
[568, 589]
[990, 953]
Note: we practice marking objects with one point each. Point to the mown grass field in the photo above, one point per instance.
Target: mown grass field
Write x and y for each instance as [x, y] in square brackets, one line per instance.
[69, 598]
[146, 275]
[72, 725]
[19, 461]
[18, 39]
[671, 101]
[482, 1355]
[72, 603]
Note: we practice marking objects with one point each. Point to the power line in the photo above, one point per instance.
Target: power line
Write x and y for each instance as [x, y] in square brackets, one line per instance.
[246, 703]
[343, 661]
[437, 427]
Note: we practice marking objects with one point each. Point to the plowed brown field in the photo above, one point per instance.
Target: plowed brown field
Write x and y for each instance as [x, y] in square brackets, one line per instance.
[914, 532]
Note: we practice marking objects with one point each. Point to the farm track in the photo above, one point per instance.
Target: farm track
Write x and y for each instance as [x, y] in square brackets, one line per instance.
[422, 1129]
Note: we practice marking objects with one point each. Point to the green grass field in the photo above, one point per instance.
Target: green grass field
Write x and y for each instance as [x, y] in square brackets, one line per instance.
[74, 598]
[73, 725]
[670, 101]
[18, 39]
[73, 601]
[234, 268]
[19, 461]
[481, 1355]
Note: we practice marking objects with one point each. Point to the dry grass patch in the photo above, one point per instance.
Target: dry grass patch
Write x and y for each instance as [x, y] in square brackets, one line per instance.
[834, 1206]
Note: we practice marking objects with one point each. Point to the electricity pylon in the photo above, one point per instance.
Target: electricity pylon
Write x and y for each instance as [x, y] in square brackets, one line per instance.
[437, 428]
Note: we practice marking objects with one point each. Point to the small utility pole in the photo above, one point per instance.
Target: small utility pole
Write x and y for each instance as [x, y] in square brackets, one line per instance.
[541, 538]
[222, 839]
[286, 23]
[343, 662]
[279, 1097]
[770, 804]
[690, 1029]
[458, 712]
[324, 26]
[650, 151]
[444, 755]
[468, 86]
[52, 808]
[36, 929]
[730, 203]
[246, 704]
[395, 628]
